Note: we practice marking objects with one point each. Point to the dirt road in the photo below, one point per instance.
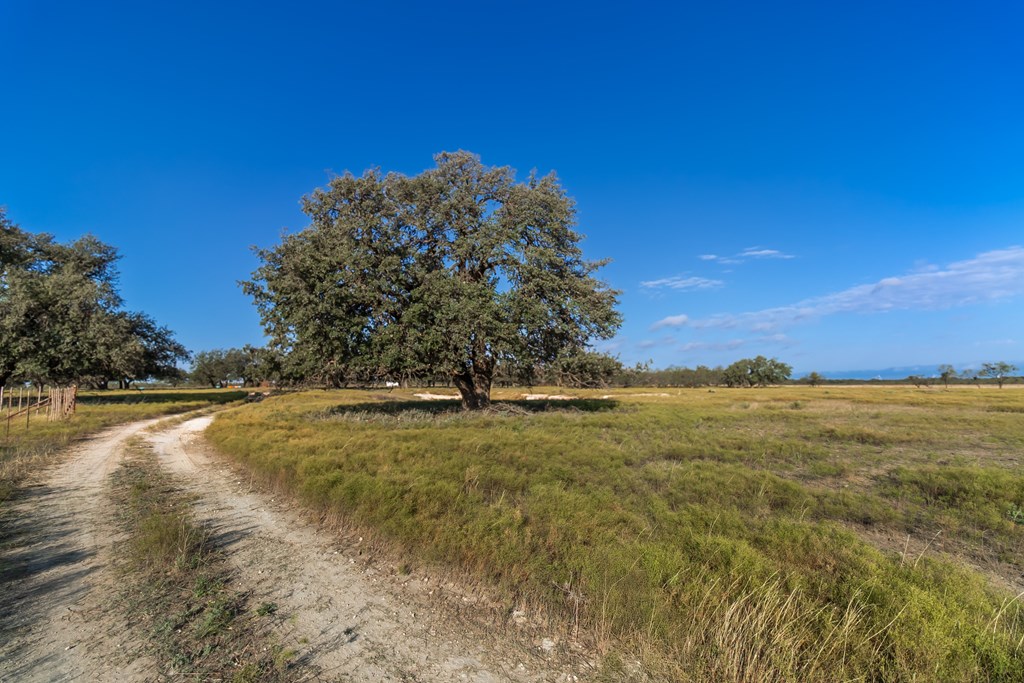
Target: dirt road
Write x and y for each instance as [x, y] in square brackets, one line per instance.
[345, 619]
[54, 578]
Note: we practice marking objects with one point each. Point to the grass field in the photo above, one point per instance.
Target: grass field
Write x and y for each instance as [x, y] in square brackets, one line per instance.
[839, 533]
[26, 450]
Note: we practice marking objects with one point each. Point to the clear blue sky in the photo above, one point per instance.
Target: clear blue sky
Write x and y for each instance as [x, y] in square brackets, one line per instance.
[840, 185]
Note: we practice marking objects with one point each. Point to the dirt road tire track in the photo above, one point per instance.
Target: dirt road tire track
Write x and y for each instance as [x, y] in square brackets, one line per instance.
[55, 578]
[347, 622]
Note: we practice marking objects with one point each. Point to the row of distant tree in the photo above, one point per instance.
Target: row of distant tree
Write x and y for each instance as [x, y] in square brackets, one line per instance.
[760, 372]
[62, 320]
[253, 366]
[588, 369]
[998, 372]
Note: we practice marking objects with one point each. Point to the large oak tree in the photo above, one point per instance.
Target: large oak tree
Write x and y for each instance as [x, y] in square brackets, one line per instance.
[459, 270]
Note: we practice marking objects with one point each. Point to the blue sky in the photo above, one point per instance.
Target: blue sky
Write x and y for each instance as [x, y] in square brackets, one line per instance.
[838, 186]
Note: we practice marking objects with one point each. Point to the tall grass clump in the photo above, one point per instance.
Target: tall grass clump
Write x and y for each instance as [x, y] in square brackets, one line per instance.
[710, 542]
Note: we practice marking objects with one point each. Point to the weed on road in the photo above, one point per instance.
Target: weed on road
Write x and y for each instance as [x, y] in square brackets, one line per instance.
[178, 587]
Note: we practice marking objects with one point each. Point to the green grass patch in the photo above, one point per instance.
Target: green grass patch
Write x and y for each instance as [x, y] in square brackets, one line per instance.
[713, 534]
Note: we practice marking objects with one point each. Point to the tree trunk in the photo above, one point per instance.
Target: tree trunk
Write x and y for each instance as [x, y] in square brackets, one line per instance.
[475, 388]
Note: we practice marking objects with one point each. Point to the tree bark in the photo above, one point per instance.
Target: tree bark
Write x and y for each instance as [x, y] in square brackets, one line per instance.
[475, 388]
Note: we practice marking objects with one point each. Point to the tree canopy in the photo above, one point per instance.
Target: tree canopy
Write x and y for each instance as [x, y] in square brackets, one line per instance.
[758, 371]
[249, 364]
[814, 379]
[999, 371]
[61, 317]
[585, 370]
[459, 271]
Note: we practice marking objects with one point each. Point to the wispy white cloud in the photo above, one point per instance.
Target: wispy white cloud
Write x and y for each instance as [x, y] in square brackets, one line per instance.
[758, 252]
[745, 255]
[730, 345]
[682, 283]
[733, 344]
[671, 321]
[996, 342]
[667, 340]
[990, 276]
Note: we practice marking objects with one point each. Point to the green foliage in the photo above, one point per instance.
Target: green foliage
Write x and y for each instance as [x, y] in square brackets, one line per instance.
[457, 271]
[586, 369]
[979, 498]
[1016, 513]
[642, 375]
[999, 371]
[249, 364]
[266, 609]
[814, 379]
[61, 319]
[725, 544]
[756, 372]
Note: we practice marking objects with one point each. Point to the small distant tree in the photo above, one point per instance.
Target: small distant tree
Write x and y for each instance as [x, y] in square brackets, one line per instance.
[703, 376]
[250, 364]
[918, 381]
[998, 371]
[767, 371]
[211, 367]
[814, 379]
[737, 374]
[637, 376]
[258, 364]
[946, 373]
